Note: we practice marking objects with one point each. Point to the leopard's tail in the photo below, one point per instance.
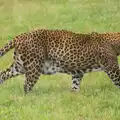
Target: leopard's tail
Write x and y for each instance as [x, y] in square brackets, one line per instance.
[6, 48]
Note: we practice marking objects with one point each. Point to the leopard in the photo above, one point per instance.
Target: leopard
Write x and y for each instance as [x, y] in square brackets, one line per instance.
[48, 51]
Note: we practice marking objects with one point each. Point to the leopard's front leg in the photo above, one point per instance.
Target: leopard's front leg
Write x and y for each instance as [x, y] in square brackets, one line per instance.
[76, 80]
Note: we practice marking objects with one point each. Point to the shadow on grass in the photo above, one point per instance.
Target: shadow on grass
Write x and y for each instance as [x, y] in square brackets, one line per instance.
[53, 87]
[87, 90]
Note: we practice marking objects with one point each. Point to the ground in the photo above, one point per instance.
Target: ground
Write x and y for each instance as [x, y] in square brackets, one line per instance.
[51, 98]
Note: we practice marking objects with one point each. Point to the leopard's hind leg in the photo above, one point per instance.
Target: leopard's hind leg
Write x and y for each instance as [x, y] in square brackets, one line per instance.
[10, 72]
[15, 69]
[32, 75]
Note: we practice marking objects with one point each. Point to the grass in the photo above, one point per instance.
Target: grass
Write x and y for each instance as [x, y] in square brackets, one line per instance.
[51, 98]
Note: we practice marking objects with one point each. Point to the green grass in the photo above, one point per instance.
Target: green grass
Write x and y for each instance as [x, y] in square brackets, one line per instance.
[51, 98]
